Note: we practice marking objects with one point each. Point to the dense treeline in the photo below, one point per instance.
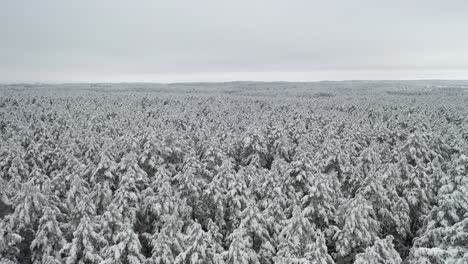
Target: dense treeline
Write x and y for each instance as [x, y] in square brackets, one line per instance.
[363, 176]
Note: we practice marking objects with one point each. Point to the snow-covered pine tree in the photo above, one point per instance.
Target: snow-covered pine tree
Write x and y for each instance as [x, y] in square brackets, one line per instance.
[382, 252]
[125, 248]
[112, 221]
[159, 200]
[226, 197]
[190, 180]
[167, 241]
[317, 251]
[101, 195]
[201, 248]
[277, 197]
[255, 226]
[319, 205]
[301, 172]
[190, 185]
[79, 188]
[240, 249]
[105, 169]
[417, 191]
[38, 178]
[416, 184]
[86, 245]
[128, 168]
[30, 204]
[297, 240]
[17, 173]
[127, 197]
[48, 240]
[367, 164]
[253, 150]
[358, 227]
[9, 241]
[438, 241]
[391, 210]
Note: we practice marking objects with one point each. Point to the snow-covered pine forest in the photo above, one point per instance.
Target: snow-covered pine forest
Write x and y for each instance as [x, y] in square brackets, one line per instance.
[329, 172]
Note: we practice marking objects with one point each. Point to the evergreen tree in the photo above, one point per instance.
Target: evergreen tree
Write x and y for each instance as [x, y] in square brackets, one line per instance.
[112, 221]
[296, 238]
[358, 227]
[126, 198]
[321, 201]
[442, 238]
[9, 241]
[317, 252]
[30, 204]
[48, 240]
[240, 249]
[255, 226]
[101, 196]
[190, 183]
[79, 189]
[126, 248]
[201, 248]
[87, 243]
[391, 210]
[226, 197]
[167, 241]
[382, 252]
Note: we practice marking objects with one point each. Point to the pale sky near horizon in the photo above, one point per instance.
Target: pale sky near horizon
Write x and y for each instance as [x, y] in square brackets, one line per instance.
[217, 40]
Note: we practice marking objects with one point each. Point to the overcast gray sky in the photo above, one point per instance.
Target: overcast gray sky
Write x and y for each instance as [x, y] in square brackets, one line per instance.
[217, 40]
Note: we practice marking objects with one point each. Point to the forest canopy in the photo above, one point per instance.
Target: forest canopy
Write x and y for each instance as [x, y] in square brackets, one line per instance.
[332, 172]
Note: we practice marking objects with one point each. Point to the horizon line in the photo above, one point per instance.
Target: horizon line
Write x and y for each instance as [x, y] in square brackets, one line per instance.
[233, 81]
[226, 77]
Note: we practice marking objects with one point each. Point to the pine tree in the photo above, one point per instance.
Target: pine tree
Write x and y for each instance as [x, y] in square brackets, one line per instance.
[317, 252]
[101, 196]
[48, 239]
[226, 197]
[416, 185]
[452, 204]
[17, 173]
[190, 183]
[358, 227]
[240, 249]
[277, 197]
[391, 210]
[159, 200]
[201, 248]
[79, 189]
[319, 205]
[382, 252]
[255, 226]
[417, 191]
[129, 168]
[126, 248]
[167, 241]
[30, 204]
[126, 198]
[300, 173]
[112, 221]
[105, 170]
[443, 236]
[367, 165]
[9, 241]
[295, 239]
[87, 243]
[253, 150]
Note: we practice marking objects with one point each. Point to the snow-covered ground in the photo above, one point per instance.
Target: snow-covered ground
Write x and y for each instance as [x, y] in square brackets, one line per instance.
[240, 172]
